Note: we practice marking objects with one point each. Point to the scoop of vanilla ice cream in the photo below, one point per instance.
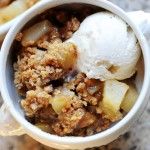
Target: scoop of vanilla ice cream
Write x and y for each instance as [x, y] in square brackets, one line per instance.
[107, 47]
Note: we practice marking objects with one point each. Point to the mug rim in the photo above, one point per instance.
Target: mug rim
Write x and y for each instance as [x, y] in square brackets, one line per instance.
[124, 122]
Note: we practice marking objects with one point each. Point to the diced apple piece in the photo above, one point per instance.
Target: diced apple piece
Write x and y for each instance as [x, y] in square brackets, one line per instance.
[113, 95]
[130, 98]
[36, 31]
[59, 102]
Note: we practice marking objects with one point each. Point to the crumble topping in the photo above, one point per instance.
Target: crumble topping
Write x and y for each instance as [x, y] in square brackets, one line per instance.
[35, 68]
[56, 97]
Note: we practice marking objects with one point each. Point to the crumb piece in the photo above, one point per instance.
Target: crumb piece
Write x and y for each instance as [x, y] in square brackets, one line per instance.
[29, 43]
[89, 90]
[70, 27]
[48, 89]
[51, 37]
[59, 55]
[34, 101]
[99, 125]
[19, 36]
[87, 120]
[68, 121]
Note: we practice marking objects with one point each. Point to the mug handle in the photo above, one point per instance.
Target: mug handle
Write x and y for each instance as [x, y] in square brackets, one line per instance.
[142, 20]
[10, 127]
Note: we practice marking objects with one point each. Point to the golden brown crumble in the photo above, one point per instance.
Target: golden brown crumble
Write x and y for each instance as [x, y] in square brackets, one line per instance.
[35, 99]
[70, 27]
[89, 90]
[68, 121]
[57, 98]
[61, 55]
[35, 68]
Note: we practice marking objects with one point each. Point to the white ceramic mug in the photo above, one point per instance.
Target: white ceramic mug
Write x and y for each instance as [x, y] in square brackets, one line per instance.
[138, 21]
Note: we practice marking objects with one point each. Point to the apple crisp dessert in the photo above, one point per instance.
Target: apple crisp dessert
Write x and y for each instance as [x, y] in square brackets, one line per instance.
[56, 97]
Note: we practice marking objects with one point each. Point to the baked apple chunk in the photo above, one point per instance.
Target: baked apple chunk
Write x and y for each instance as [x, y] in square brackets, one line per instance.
[130, 98]
[113, 95]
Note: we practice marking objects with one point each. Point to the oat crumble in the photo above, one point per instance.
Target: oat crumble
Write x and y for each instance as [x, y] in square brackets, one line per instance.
[57, 98]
